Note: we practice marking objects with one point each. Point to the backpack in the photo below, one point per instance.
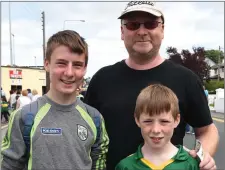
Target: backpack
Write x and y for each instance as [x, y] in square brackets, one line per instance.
[28, 120]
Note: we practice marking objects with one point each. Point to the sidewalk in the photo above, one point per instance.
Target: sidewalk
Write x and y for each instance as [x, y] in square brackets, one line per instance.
[4, 125]
[217, 115]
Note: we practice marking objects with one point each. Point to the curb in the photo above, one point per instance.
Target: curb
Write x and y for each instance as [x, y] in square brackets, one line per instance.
[218, 119]
[217, 116]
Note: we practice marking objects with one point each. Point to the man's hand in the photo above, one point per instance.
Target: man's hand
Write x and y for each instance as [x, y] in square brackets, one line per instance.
[207, 163]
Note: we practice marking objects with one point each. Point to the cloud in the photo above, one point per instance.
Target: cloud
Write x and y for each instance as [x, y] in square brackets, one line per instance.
[186, 24]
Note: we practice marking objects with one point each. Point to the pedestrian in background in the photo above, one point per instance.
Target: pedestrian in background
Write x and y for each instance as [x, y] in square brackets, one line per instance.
[35, 95]
[29, 94]
[23, 100]
[4, 109]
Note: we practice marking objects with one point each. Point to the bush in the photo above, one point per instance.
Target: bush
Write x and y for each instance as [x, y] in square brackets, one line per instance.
[212, 85]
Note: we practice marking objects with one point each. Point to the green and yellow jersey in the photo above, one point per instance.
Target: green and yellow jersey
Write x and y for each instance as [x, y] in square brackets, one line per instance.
[181, 161]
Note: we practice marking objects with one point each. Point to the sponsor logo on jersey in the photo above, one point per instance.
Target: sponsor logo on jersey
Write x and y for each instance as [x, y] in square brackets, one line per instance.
[51, 131]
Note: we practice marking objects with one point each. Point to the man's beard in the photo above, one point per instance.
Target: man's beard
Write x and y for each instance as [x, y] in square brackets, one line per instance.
[145, 57]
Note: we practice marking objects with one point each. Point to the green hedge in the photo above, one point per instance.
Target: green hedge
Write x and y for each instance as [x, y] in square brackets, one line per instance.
[212, 85]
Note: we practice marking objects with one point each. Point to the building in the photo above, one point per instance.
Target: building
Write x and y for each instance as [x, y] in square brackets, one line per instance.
[215, 69]
[23, 78]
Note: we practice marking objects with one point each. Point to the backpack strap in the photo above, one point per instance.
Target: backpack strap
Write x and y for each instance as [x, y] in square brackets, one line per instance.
[94, 122]
[28, 114]
[97, 122]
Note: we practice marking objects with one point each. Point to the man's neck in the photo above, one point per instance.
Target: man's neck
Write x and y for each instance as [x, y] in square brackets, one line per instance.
[64, 99]
[159, 155]
[144, 65]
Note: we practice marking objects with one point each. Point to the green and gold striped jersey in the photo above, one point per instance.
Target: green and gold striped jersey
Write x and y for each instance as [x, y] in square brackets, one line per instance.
[181, 161]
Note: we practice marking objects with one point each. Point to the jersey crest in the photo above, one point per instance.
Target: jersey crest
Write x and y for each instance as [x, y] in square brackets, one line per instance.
[82, 132]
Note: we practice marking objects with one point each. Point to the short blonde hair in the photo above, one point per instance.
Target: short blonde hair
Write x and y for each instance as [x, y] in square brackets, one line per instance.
[156, 99]
[34, 92]
[24, 93]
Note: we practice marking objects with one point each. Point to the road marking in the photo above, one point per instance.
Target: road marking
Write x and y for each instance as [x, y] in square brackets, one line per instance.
[3, 127]
[218, 120]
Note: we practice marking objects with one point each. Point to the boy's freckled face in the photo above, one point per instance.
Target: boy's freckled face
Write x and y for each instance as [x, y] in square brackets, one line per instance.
[157, 130]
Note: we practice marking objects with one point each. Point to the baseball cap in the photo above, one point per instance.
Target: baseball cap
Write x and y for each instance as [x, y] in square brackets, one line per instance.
[143, 6]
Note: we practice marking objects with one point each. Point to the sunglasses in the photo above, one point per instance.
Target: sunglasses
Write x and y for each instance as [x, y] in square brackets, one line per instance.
[136, 25]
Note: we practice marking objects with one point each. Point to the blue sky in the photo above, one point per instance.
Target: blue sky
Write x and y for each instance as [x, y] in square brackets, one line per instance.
[187, 24]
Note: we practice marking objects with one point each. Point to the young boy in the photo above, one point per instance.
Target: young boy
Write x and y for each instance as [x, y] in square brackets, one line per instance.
[157, 114]
[66, 134]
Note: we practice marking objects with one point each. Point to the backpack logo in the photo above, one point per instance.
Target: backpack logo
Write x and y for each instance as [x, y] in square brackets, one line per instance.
[82, 132]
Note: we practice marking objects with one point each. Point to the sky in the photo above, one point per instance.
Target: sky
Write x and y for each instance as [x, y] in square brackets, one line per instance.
[187, 24]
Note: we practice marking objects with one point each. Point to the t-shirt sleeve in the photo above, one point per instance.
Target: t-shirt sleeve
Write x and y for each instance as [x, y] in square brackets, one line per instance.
[121, 166]
[100, 147]
[13, 147]
[197, 113]
[193, 164]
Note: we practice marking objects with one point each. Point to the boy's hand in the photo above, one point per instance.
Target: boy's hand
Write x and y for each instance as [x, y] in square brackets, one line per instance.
[207, 163]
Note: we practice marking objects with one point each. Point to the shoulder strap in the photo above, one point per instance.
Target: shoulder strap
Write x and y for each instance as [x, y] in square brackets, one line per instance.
[97, 121]
[28, 114]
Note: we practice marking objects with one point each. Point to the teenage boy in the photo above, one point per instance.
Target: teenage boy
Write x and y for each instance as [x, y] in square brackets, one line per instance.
[64, 133]
[157, 114]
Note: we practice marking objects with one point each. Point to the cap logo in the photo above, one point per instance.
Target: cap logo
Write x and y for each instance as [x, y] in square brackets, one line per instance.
[132, 3]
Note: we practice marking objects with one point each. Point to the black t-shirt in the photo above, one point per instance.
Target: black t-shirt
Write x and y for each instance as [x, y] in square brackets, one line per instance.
[113, 91]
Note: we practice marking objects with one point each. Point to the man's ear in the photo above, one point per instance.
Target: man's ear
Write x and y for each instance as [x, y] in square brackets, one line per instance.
[47, 63]
[122, 32]
[137, 121]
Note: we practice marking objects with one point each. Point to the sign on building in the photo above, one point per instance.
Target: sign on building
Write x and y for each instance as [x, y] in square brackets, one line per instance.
[16, 82]
[15, 74]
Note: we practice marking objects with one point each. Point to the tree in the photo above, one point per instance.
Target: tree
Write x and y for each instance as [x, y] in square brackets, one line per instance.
[194, 61]
[214, 55]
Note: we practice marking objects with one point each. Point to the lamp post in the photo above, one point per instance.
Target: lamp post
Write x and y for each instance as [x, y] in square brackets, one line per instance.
[13, 48]
[10, 38]
[35, 61]
[71, 21]
[219, 65]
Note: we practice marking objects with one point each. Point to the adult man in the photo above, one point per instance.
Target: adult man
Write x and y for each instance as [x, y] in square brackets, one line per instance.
[113, 89]
[66, 133]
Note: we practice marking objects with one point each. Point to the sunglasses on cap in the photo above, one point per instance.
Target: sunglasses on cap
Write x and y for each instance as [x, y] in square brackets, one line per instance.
[134, 25]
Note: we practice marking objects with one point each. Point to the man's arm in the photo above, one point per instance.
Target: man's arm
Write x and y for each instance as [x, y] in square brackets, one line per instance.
[209, 138]
[13, 147]
[100, 149]
[198, 116]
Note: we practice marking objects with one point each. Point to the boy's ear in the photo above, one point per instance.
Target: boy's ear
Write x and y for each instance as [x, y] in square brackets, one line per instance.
[177, 121]
[137, 121]
[46, 65]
